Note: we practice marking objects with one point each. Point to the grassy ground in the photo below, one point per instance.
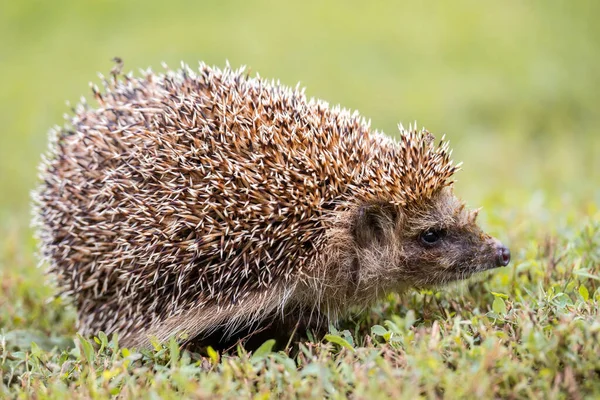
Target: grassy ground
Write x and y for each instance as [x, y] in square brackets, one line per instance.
[514, 85]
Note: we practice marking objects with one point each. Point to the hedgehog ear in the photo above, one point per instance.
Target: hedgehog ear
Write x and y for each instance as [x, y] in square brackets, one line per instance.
[374, 222]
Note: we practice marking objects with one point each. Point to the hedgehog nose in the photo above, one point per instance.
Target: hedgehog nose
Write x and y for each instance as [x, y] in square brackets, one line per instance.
[503, 256]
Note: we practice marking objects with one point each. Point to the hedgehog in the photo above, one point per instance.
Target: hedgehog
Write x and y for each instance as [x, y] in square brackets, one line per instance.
[193, 202]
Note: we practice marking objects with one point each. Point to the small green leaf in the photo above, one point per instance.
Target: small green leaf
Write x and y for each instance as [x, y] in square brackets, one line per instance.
[173, 350]
[501, 295]
[213, 355]
[392, 327]
[584, 292]
[87, 349]
[35, 350]
[114, 343]
[339, 341]
[102, 340]
[499, 306]
[264, 349]
[378, 330]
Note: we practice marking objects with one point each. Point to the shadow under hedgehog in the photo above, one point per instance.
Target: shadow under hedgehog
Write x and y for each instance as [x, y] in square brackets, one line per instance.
[213, 204]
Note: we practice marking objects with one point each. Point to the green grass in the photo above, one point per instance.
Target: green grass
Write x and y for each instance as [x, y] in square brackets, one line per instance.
[514, 85]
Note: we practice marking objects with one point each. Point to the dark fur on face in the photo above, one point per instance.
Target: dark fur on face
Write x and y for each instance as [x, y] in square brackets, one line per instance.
[380, 247]
[441, 243]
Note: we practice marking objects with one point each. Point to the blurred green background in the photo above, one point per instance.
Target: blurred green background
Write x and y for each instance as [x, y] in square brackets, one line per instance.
[514, 85]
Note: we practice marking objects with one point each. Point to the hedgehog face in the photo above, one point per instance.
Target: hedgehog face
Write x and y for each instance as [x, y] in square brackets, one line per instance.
[443, 243]
[426, 245]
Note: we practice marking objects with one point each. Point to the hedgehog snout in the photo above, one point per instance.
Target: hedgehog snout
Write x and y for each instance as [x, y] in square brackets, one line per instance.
[502, 255]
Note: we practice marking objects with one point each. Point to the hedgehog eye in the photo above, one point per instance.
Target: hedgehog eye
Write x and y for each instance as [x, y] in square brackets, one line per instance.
[431, 237]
